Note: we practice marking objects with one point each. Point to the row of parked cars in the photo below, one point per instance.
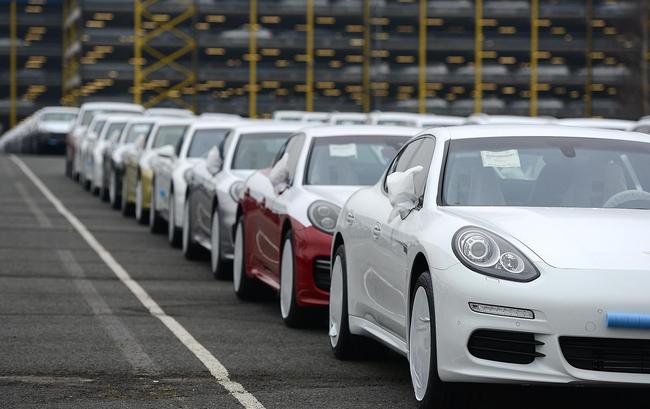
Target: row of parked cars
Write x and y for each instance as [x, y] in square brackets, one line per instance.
[508, 250]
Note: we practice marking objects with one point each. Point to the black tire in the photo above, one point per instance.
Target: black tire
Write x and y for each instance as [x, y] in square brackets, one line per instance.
[438, 394]
[348, 346]
[174, 234]
[143, 216]
[127, 208]
[249, 289]
[191, 249]
[296, 316]
[220, 267]
[156, 223]
[114, 185]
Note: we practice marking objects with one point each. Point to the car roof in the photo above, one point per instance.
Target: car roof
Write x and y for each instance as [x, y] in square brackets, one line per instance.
[493, 131]
[507, 119]
[353, 130]
[597, 123]
[270, 127]
[72, 110]
[174, 121]
[208, 123]
[400, 115]
[112, 105]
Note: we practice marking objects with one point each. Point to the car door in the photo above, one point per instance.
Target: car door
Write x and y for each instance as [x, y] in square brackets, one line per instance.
[390, 245]
[275, 209]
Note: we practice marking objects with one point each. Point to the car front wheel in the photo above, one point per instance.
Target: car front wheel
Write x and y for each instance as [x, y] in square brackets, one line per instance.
[292, 314]
[429, 390]
[217, 262]
[191, 249]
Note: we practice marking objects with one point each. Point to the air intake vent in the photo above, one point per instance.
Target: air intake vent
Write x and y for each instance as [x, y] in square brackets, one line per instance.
[504, 346]
[322, 275]
[607, 354]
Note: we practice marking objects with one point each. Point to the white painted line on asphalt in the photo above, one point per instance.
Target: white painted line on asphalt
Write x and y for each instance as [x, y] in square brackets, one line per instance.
[213, 365]
[125, 341]
[41, 218]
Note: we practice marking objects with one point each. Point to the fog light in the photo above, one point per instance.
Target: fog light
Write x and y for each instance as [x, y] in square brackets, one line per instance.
[502, 311]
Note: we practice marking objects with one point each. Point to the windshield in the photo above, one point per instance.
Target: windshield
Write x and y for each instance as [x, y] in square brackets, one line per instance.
[349, 122]
[113, 131]
[257, 150]
[58, 117]
[547, 172]
[97, 128]
[169, 135]
[137, 130]
[205, 139]
[351, 160]
[89, 115]
[394, 122]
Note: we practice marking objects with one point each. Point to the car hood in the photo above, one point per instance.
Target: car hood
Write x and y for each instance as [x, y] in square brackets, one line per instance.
[335, 194]
[599, 239]
[242, 174]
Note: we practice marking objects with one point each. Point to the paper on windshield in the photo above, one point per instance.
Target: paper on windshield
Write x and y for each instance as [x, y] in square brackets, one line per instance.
[343, 150]
[502, 159]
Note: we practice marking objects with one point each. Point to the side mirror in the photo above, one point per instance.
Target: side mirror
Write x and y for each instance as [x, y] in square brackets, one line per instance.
[166, 151]
[214, 162]
[139, 142]
[279, 175]
[401, 192]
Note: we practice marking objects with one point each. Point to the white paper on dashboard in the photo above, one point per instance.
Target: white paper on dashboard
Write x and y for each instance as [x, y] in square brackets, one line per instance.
[503, 159]
[343, 151]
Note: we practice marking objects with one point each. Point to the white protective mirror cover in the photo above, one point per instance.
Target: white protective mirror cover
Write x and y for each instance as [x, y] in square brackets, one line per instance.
[401, 191]
[214, 161]
[166, 151]
[279, 172]
[139, 142]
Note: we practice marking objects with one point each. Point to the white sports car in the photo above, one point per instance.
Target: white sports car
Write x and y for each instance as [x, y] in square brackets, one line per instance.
[512, 254]
[214, 187]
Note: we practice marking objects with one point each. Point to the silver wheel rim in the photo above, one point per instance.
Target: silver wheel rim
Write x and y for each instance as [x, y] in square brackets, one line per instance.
[286, 279]
[336, 302]
[111, 188]
[186, 227]
[171, 224]
[420, 343]
[138, 200]
[238, 260]
[215, 253]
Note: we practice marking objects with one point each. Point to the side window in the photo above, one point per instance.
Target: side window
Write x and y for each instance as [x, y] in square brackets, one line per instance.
[294, 147]
[417, 153]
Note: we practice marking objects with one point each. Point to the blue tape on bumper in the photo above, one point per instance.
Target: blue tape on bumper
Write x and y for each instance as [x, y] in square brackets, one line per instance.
[625, 320]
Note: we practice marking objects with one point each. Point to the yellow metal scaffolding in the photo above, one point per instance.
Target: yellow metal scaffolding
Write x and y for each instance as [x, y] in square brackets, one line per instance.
[422, 59]
[252, 60]
[478, 56]
[365, 69]
[309, 82]
[150, 27]
[13, 81]
[534, 44]
[589, 57]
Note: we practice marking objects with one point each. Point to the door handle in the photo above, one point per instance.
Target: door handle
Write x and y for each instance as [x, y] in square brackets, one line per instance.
[376, 231]
[349, 218]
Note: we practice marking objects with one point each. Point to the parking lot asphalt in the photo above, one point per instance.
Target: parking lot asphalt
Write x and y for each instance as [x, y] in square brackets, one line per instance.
[73, 335]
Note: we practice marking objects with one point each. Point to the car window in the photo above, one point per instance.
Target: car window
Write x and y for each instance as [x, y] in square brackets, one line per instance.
[113, 131]
[205, 139]
[135, 131]
[97, 128]
[294, 148]
[350, 160]
[58, 117]
[418, 153]
[256, 150]
[547, 172]
[169, 135]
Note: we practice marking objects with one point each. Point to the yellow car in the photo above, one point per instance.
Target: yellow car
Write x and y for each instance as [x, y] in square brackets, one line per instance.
[137, 174]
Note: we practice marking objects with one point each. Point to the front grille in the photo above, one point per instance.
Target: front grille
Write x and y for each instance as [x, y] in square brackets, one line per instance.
[504, 346]
[607, 354]
[322, 277]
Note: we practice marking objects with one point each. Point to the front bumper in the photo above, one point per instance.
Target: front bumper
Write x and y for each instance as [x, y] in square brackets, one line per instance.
[312, 259]
[566, 303]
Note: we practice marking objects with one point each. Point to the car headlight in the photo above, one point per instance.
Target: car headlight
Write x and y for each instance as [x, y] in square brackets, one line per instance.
[489, 254]
[236, 191]
[323, 215]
